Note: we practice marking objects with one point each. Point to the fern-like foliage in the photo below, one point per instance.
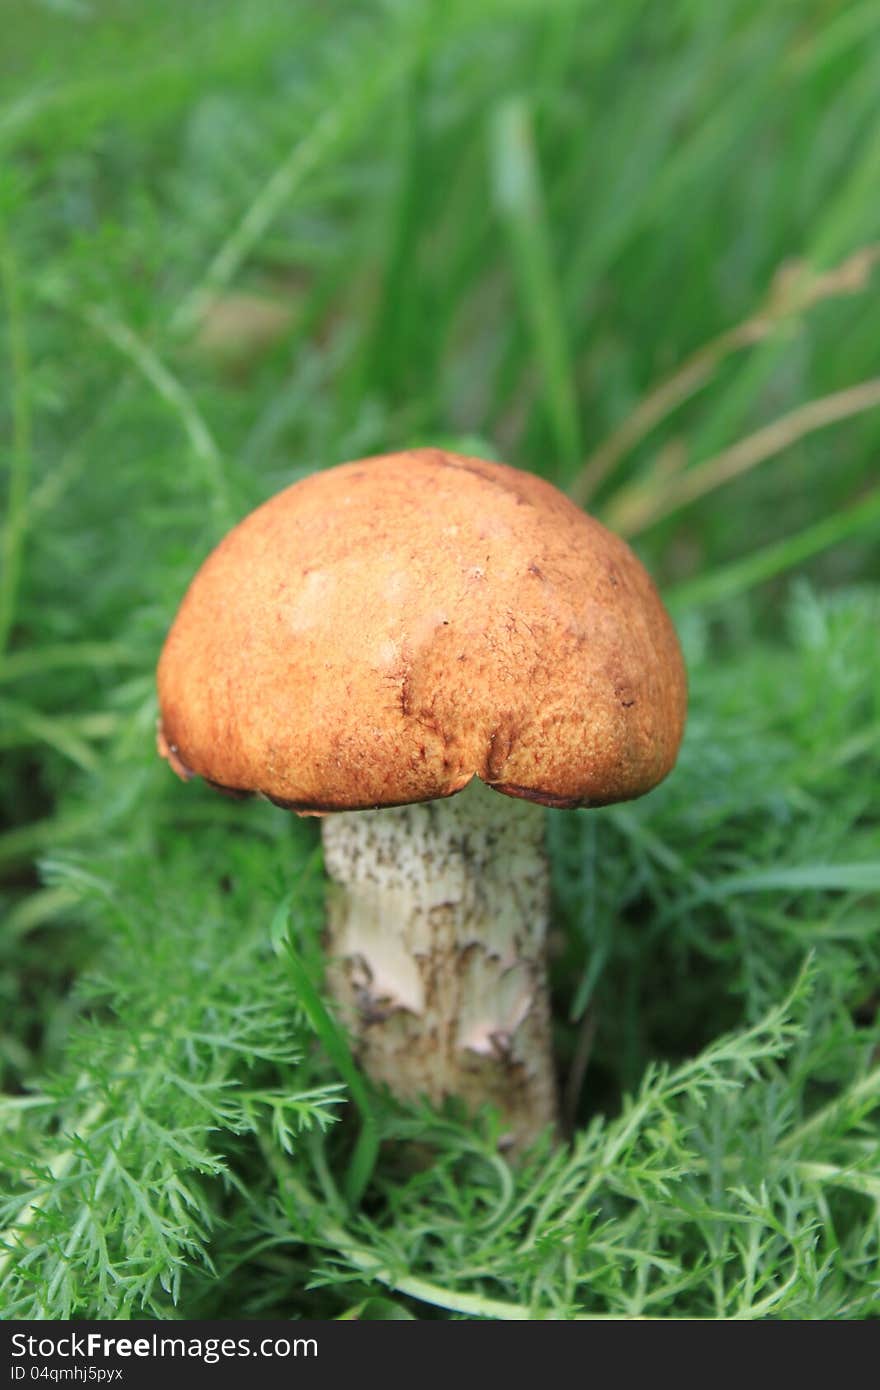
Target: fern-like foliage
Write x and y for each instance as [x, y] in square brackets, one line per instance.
[186, 1037]
[179, 1159]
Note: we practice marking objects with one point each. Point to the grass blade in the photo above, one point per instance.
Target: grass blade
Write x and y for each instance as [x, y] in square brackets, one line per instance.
[366, 1149]
[642, 505]
[729, 581]
[20, 457]
[795, 289]
[520, 201]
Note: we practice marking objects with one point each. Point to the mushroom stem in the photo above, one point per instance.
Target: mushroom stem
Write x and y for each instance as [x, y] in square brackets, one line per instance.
[436, 929]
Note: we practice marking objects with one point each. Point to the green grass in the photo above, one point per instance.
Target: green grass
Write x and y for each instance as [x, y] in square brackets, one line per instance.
[630, 248]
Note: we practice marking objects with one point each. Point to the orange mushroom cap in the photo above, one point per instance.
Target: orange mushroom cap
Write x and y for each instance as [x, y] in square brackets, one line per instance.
[384, 631]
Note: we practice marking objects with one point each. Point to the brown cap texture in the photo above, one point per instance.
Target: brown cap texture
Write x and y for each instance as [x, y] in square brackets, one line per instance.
[386, 630]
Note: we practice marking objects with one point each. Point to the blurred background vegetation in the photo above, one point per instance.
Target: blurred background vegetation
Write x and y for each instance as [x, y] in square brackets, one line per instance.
[632, 248]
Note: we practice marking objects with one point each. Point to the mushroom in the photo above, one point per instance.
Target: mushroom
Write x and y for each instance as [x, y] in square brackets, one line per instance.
[426, 650]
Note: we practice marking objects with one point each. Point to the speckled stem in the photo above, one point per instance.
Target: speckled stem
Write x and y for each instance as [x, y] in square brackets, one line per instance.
[436, 927]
